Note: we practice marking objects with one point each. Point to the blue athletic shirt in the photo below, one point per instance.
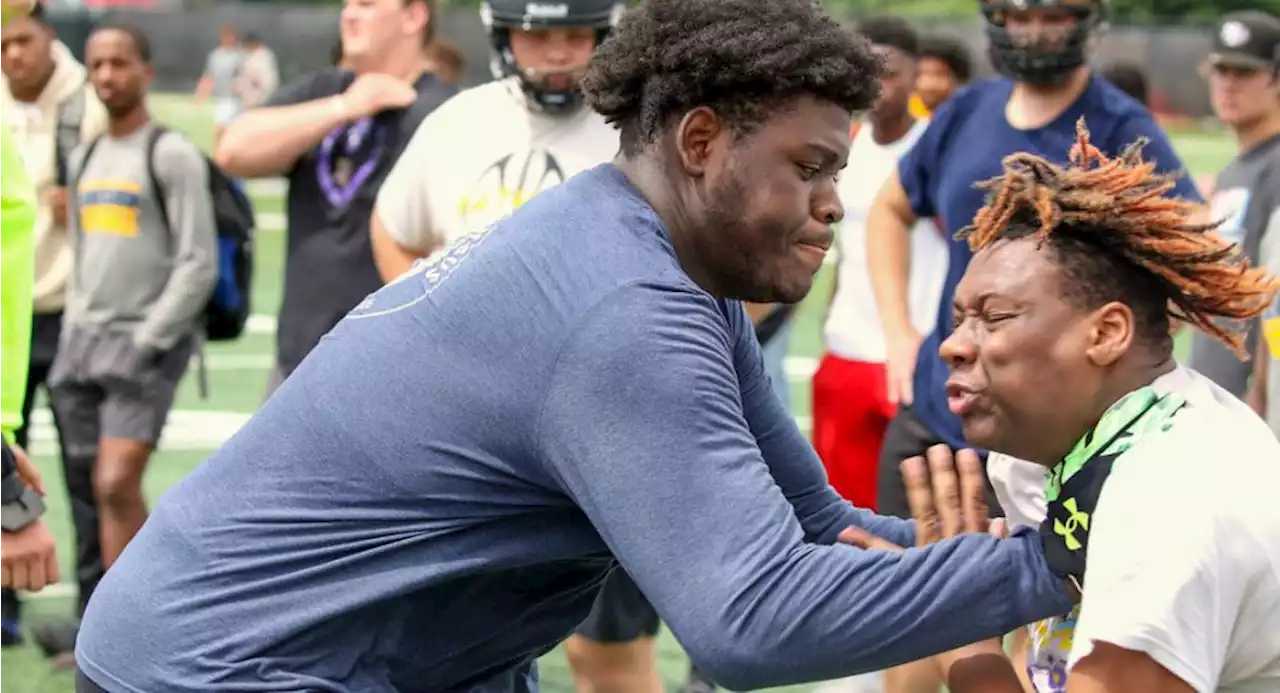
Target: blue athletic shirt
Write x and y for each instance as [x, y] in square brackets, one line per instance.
[432, 500]
[964, 144]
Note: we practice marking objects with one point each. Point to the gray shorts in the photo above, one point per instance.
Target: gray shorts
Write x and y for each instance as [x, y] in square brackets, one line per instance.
[103, 386]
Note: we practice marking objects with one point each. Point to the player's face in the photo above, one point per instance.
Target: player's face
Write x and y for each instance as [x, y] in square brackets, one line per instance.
[1040, 28]
[896, 84]
[372, 28]
[771, 203]
[1021, 378]
[28, 57]
[935, 82]
[1243, 96]
[116, 71]
[553, 60]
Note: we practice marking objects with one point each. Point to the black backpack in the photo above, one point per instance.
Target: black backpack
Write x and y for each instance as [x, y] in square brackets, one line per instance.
[227, 312]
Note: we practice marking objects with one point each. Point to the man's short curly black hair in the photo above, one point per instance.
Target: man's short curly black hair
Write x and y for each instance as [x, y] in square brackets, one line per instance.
[951, 51]
[892, 31]
[743, 58]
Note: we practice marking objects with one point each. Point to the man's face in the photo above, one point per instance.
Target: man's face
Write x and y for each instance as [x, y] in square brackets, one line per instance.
[1045, 29]
[769, 201]
[553, 60]
[1021, 379]
[1242, 96]
[28, 53]
[372, 28]
[935, 82]
[896, 84]
[116, 71]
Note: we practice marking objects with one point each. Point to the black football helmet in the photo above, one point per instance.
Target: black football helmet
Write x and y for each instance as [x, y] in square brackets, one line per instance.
[1041, 64]
[501, 16]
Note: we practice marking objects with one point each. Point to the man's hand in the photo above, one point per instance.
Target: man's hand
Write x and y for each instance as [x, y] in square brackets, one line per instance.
[56, 200]
[902, 351]
[28, 557]
[373, 93]
[947, 497]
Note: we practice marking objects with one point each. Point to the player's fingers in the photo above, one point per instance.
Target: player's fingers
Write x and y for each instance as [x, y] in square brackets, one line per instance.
[6, 576]
[915, 477]
[973, 491]
[946, 489]
[51, 567]
[35, 574]
[904, 388]
[18, 575]
[865, 540]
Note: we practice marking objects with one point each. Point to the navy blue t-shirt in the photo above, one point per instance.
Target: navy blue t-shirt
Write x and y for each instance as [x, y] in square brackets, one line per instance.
[432, 500]
[964, 144]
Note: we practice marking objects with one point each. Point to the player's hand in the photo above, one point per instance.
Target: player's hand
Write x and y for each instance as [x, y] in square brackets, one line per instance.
[27, 471]
[374, 92]
[902, 351]
[28, 558]
[947, 497]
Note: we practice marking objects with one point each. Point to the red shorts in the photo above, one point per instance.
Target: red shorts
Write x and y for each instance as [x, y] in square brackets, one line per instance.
[851, 411]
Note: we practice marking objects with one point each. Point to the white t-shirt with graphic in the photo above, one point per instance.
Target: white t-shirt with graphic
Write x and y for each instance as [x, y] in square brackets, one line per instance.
[853, 330]
[478, 157]
[1184, 551]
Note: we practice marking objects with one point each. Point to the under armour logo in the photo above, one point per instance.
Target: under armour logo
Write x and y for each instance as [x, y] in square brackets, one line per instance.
[1076, 520]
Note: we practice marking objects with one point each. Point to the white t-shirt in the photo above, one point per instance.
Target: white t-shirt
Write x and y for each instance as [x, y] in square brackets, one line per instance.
[480, 155]
[853, 330]
[1184, 550]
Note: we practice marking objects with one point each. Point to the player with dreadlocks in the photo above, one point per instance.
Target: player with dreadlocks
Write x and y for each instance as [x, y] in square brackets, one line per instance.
[1061, 355]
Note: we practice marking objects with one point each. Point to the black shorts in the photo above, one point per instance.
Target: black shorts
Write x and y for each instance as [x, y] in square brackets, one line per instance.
[908, 436]
[621, 613]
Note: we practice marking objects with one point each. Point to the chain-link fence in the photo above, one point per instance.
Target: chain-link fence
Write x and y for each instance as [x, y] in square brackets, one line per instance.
[302, 35]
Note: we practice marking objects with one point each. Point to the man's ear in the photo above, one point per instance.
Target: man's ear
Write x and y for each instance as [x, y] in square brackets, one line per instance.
[696, 137]
[1111, 334]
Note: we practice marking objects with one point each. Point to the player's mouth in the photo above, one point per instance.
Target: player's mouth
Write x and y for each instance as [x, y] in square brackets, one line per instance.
[961, 398]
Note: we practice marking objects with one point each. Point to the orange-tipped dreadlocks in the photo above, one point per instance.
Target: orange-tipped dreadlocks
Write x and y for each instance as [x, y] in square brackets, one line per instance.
[1120, 206]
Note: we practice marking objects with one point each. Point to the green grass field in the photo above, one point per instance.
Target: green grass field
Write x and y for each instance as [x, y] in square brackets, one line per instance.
[238, 376]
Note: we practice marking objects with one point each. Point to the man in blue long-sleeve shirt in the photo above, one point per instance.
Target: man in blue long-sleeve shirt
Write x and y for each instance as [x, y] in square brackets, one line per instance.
[400, 517]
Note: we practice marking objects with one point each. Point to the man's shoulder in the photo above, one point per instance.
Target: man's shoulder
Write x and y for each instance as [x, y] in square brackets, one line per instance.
[474, 106]
[174, 152]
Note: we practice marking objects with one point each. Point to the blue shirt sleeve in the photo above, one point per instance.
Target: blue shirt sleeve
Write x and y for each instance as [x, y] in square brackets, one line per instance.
[822, 513]
[643, 425]
[1158, 150]
[918, 168]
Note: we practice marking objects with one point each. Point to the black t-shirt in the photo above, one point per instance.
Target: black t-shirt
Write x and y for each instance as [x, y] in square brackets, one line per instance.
[329, 266]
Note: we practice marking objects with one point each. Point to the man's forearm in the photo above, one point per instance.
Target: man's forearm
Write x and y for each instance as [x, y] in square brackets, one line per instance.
[889, 261]
[290, 130]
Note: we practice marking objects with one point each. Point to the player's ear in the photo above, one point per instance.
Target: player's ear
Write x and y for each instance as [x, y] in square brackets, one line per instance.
[696, 135]
[1112, 329]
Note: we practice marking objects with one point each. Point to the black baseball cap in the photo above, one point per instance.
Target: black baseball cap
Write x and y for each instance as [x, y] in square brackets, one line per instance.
[1247, 39]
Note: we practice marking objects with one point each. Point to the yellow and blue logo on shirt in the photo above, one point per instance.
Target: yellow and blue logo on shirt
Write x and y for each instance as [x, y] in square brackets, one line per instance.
[109, 207]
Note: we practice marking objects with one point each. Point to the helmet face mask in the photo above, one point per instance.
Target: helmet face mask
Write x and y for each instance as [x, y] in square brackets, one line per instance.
[1045, 52]
[554, 92]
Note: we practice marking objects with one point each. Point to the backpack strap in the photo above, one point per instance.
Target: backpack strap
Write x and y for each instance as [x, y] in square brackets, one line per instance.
[153, 139]
[67, 136]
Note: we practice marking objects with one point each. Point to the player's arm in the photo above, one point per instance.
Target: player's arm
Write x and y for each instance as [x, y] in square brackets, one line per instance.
[889, 225]
[184, 175]
[293, 120]
[643, 427]
[822, 513]
[401, 228]
[1268, 349]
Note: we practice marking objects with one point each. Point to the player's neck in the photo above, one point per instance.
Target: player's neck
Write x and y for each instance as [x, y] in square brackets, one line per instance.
[129, 123]
[649, 176]
[30, 95]
[1256, 133]
[889, 130]
[1033, 106]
